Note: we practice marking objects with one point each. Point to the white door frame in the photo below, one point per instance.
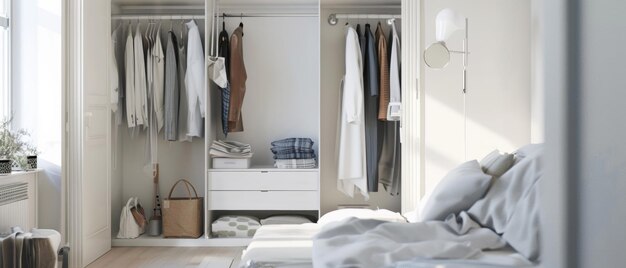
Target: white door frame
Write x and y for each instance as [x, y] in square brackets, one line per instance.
[73, 50]
[410, 126]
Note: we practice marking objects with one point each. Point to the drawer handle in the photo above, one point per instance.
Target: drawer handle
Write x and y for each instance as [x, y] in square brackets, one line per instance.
[265, 171]
[264, 191]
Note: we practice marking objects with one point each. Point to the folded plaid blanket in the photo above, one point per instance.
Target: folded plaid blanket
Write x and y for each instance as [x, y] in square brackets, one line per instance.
[293, 143]
[294, 156]
[295, 163]
[290, 150]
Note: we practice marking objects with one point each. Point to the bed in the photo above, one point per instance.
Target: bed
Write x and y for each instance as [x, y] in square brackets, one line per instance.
[291, 244]
[499, 228]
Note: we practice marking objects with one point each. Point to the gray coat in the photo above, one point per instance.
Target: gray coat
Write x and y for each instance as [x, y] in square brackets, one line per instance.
[172, 91]
[373, 127]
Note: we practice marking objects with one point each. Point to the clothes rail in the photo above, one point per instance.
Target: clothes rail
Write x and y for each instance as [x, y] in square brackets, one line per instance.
[334, 18]
[226, 15]
[263, 15]
[157, 17]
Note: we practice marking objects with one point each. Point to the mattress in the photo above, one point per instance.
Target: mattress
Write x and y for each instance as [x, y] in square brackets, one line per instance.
[290, 246]
[289, 243]
[292, 243]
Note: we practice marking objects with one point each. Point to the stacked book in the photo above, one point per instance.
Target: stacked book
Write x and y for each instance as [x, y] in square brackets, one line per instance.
[294, 153]
[230, 154]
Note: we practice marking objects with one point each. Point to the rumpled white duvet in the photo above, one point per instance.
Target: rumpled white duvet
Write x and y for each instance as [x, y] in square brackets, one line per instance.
[508, 216]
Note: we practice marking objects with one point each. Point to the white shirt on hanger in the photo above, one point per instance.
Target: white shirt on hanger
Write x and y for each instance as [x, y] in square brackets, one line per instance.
[351, 155]
[194, 81]
[141, 87]
[114, 76]
[159, 79]
[183, 115]
[149, 73]
[149, 148]
[129, 63]
[395, 95]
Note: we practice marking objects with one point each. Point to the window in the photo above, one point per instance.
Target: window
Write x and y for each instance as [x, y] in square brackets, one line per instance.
[5, 59]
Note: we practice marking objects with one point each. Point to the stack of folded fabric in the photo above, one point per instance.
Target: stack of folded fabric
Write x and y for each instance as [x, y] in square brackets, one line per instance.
[230, 149]
[294, 153]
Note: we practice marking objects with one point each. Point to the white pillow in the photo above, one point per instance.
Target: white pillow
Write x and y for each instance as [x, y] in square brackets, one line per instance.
[527, 150]
[457, 191]
[496, 164]
[361, 213]
[285, 219]
[412, 216]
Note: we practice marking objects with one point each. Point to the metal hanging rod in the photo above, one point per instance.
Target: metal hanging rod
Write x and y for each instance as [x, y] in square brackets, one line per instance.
[265, 15]
[200, 17]
[334, 18]
[157, 17]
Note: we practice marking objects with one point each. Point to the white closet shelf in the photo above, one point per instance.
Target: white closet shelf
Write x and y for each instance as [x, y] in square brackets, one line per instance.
[159, 241]
[263, 168]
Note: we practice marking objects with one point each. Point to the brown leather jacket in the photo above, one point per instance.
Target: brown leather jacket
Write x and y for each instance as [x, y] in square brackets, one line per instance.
[238, 78]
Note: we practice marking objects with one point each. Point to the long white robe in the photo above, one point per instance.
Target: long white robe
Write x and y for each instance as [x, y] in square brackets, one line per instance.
[351, 157]
[141, 87]
[395, 98]
[129, 62]
[194, 82]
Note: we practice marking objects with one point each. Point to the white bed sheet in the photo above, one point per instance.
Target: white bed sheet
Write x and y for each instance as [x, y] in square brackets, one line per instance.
[505, 257]
[290, 245]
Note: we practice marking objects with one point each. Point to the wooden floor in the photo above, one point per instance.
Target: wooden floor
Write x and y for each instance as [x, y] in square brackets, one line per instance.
[209, 257]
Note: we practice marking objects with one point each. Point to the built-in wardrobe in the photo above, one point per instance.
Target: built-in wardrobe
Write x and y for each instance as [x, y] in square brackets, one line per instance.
[294, 58]
[281, 55]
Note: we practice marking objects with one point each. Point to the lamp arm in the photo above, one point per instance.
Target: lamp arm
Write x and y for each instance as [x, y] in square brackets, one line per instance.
[458, 51]
[465, 53]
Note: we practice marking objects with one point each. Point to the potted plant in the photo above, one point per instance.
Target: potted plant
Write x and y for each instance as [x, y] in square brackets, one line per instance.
[15, 150]
[29, 155]
[8, 147]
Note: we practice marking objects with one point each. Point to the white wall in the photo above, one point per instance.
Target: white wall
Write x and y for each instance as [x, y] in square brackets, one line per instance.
[498, 82]
[332, 70]
[537, 113]
[37, 94]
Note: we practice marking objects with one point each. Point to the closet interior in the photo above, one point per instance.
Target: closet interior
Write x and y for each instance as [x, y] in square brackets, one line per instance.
[294, 62]
[335, 18]
[138, 150]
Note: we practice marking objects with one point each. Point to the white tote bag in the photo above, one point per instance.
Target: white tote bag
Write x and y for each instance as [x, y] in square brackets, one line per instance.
[128, 226]
[216, 65]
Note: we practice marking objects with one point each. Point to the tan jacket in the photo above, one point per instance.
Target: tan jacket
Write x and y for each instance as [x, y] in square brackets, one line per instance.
[383, 61]
[238, 77]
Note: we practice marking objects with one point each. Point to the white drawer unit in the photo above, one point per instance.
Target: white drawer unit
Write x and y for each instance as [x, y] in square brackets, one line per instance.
[264, 180]
[263, 189]
[264, 200]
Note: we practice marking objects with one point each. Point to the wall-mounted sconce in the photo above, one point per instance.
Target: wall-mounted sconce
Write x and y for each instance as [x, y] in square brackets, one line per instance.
[437, 55]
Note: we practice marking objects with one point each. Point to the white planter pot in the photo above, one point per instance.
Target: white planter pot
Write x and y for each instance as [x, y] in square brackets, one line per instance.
[5, 166]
